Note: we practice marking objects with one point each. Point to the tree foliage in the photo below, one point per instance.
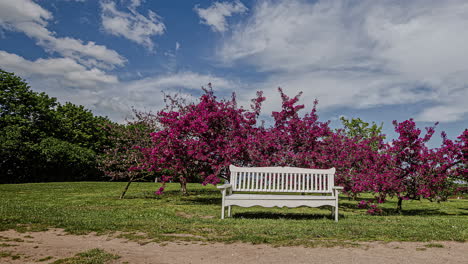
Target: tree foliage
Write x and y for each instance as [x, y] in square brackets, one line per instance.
[357, 128]
[79, 126]
[122, 158]
[43, 140]
[424, 172]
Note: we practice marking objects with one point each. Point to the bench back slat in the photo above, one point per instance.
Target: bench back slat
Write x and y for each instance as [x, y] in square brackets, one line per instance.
[282, 179]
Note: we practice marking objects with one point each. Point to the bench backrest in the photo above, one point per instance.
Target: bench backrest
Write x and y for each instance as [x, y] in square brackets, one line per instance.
[282, 179]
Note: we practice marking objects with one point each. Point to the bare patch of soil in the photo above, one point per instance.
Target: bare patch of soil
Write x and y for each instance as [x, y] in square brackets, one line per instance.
[56, 244]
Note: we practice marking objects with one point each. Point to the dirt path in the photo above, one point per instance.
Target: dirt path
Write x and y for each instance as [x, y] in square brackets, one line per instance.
[33, 246]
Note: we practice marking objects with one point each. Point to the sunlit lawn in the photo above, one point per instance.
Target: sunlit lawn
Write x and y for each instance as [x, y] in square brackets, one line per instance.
[81, 207]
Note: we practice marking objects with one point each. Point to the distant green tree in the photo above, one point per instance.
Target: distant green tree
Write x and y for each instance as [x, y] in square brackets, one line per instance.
[42, 140]
[356, 127]
[18, 156]
[25, 116]
[21, 107]
[79, 126]
[65, 161]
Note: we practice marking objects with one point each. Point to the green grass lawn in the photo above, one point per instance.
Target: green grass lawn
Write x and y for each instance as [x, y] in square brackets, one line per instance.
[82, 207]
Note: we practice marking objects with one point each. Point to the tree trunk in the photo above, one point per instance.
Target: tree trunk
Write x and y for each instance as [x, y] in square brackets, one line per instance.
[126, 188]
[183, 185]
[400, 200]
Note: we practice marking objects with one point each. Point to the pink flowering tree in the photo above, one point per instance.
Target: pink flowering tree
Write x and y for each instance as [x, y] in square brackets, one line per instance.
[456, 155]
[406, 168]
[200, 140]
[360, 166]
[292, 140]
[447, 165]
[423, 172]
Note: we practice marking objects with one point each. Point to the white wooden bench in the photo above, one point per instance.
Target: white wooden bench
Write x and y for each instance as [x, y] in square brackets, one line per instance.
[278, 183]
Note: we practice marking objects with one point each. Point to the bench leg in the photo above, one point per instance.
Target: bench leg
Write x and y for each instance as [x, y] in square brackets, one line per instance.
[222, 203]
[336, 213]
[229, 211]
[336, 194]
[336, 209]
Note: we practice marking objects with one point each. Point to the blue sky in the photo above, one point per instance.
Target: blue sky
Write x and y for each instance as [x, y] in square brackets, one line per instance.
[377, 60]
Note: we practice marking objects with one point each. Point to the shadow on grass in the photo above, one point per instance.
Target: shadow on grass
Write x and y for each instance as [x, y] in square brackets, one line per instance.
[412, 212]
[349, 199]
[171, 194]
[419, 212]
[294, 216]
[202, 200]
[143, 195]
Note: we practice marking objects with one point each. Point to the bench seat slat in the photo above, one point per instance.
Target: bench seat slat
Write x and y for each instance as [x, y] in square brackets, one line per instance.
[277, 197]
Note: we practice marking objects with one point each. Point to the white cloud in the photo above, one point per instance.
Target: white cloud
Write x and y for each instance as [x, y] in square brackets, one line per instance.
[30, 18]
[141, 90]
[147, 94]
[133, 25]
[443, 113]
[177, 46]
[13, 12]
[89, 54]
[215, 15]
[451, 106]
[363, 54]
[135, 3]
[64, 71]
[338, 89]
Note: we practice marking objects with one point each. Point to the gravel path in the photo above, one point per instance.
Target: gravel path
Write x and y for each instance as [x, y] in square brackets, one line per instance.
[57, 244]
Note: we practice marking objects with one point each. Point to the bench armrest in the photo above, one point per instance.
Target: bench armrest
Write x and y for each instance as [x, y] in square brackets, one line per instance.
[336, 190]
[224, 186]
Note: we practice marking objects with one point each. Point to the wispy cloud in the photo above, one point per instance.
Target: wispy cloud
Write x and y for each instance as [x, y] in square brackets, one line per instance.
[216, 14]
[131, 25]
[65, 71]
